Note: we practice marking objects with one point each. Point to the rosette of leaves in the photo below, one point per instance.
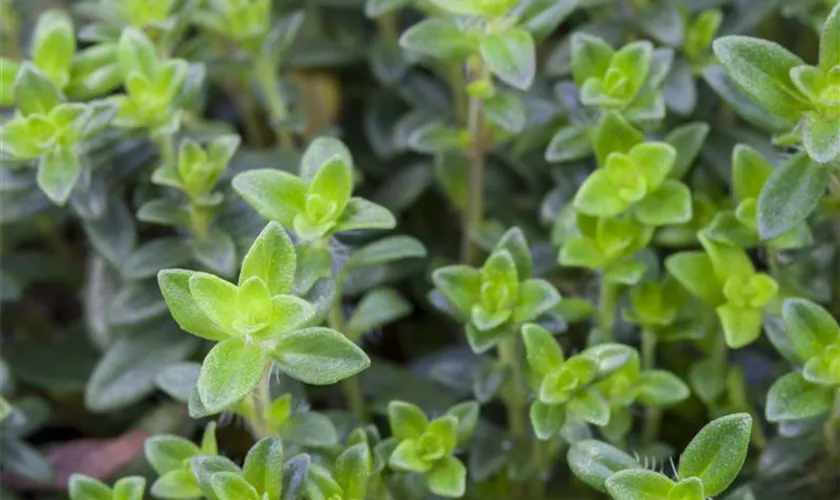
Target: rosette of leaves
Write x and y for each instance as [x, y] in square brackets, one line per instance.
[655, 307]
[568, 389]
[707, 466]
[607, 245]
[428, 447]
[634, 177]
[170, 458]
[811, 339]
[631, 384]
[317, 204]
[87, 488]
[152, 85]
[783, 84]
[495, 300]
[255, 323]
[195, 174]
[626, 80]
[89, 73]
[739, 227]
[242, 21]
[267, 472]
[724, 277]
[49, 130]
[801, 94]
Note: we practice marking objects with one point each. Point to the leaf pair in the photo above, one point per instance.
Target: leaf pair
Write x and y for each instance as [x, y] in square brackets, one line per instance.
[151, 85]
[170, 458]
[198, 169]
[86, 488]
[427, 447]
[318, 203]
[783, 84]
[50, 130]
[812, 338]
[708, 465]
[494, 300]
[724, 276]
[255, 322]
[567, 388]
[608, 244]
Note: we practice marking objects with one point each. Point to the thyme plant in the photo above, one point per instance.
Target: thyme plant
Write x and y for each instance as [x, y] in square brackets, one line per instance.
[418, 249]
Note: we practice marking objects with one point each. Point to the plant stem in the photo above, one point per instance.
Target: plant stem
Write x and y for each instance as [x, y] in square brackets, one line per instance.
[474, 209]
[199, 221]
[278, 111]
[607, 306]
[654, 415]
[515, 397]
[166, 148]
[260, 401]
[832, 431]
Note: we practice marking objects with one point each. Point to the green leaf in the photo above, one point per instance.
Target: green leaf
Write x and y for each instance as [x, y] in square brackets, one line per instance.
[406, 457]
[541, 17]
[35, 94]
[136, 55]
[166, 452]
[86, 488]
[318, 356]
[53, 45]
[448, 478]
[438, 37]
[310, 429]
[661, 388]
[830, 41]
[507, 110]
[407, 421]
[687, 140]
[582, 252]
[590, 406]
[363, 214]
[546, 419]
[272, 258]
[821, 137]
[791, 194]
[542, 350]
[809, 327]
[820, 369]
[688, 489]
[741, 325]
[216, 298]
[707, 380]
[599, 197]
[761, 69]
[636, 484]
[177, 484]
[130, 488]
[58, 172]
[353, 468]
[717, 452]
[694, 271]
[378, 308]
[262, 464]
[750, 171]
[126, 373]
[386, 250]
[615, 135]
[591, 57]
[570, 143]
[217, 252]
[461, 285]
[474, 7]
[467, 415]
[670, 204]
[174, 285]
[205, 467]
[594, 462]
[231, 486]
[511, 56]
[321, 151]
[229, 372]
[276, 195]
[536, 297]
[334, 182]
[793, 398]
